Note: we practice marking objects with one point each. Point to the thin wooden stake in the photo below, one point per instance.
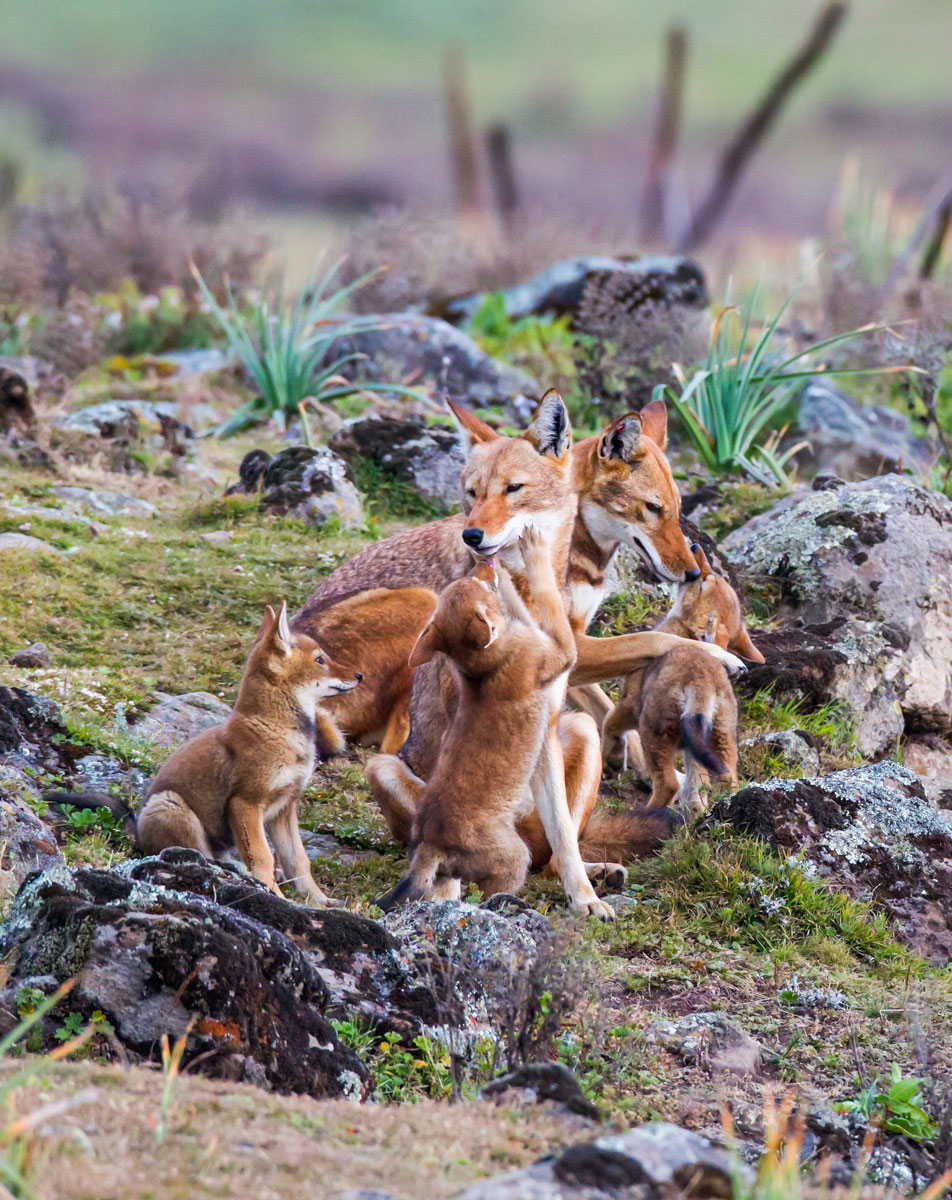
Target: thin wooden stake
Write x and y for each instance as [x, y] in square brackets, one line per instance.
[655, 203]
[503, 175]
[463, 161]
[756, 125]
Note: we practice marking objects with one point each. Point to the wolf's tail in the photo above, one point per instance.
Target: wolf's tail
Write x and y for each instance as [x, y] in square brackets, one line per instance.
[621, 837]
[697, 721]
[418, 881]
[63, 800]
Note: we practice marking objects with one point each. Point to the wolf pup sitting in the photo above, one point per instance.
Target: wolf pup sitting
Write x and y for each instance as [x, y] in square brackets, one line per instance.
[683, 700]
[464, 826]
[230, 785]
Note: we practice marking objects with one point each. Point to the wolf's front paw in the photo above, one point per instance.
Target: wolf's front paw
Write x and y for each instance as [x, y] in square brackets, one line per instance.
[595, 908]
[734, 665]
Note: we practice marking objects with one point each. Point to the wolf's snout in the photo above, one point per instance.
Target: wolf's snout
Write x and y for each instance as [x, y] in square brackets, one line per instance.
[358, 675]
[690, 576]
[473, 538]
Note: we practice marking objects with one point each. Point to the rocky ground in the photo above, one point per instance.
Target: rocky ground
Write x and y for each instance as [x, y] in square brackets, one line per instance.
[795, 943]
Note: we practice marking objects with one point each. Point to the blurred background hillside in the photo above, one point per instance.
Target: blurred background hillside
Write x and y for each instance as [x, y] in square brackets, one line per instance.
[310, 115]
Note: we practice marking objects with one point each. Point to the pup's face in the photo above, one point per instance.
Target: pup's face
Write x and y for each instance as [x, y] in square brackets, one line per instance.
[299, 662]
[468, 619]
[710, 608]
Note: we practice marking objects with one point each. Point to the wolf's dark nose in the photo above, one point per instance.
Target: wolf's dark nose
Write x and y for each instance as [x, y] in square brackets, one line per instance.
[690, 576]
[472, 537]
[358, 675]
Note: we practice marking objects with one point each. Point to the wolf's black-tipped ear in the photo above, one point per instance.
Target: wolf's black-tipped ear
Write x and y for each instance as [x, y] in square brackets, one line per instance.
[551, 430]
[622, 439]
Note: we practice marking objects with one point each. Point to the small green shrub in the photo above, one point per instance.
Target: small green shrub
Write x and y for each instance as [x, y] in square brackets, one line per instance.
[897, 1110]
[543, 346]
[284, 346]
[730, 408]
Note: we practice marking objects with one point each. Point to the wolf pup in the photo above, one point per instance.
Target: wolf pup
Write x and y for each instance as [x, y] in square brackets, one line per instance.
[464, 826]
[683, 700]
[232, 784]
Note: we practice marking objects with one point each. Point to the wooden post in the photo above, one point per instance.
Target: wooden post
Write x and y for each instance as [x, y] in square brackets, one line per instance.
[756, 125]
[503, 175]
[463, 160]
[655, 208]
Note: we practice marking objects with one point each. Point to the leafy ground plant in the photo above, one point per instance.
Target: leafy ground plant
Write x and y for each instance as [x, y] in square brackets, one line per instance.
[285, 345]
[730, 407]
[897, 1109]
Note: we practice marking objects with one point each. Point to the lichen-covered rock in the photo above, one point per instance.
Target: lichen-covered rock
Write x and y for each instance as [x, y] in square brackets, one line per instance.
[172, 945]
[177, 718]
[651, 1159]
[313, 483]
[853, 440]
[791, 747]
[427, 457]
[120, 429]
[559, 289]
[710, 1040]
[26, 844]
[108, 504]
[418, 351]
[33, 736]
[175, 942]
[872, 833]
[492, 955]
[872, 562]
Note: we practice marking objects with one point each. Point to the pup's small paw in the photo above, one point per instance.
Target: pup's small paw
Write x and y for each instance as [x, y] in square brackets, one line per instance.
[531, 543]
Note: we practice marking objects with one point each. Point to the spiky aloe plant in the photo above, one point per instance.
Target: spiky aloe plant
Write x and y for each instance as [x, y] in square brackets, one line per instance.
[284, 346]
[729, 405]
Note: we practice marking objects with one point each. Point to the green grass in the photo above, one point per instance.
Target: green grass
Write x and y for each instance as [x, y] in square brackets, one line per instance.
[125, 615]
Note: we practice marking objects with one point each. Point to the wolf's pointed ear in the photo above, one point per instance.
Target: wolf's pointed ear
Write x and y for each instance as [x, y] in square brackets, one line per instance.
[654, 423]
[282, 631]
[743, 646]
[622, 439]
[701, 559]
[482, 614]
[429, 642]
[550, 431]
[267, 623]
[471, 429]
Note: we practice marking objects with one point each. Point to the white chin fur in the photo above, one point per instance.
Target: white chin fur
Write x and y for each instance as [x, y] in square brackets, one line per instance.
[651, 557]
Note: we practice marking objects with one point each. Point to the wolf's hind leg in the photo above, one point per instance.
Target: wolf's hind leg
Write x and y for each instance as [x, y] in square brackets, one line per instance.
[166, 820]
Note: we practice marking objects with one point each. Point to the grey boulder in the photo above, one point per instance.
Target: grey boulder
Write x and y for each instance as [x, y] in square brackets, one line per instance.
[853, 440]
[427, 457]
[871, 563]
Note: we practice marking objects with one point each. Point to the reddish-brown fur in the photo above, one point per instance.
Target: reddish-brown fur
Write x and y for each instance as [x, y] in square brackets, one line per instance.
[229, 785]
[683, 700]
[504, 663]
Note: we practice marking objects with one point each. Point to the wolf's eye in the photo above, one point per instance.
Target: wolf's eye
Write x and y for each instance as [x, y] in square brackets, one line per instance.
[514, 487]
[319, 659]
[654, 508]
[471, 492]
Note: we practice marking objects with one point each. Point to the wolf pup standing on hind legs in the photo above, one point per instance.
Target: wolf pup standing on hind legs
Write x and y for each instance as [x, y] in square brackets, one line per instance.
[504, 659]
[234, 784]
